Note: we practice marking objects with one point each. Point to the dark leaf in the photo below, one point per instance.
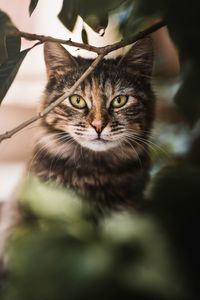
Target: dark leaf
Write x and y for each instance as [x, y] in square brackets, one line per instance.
[9, 43]
[97, 23]
[84, 36]
[188, 96]
[4, 21]
[69, 13]
[3, 51]
[94, 13]
[8, 71]
[32, 6]
[13, 45]
[128, 19]
[98, 7]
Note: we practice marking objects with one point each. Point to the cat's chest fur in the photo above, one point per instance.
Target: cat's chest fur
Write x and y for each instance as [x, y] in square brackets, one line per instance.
[102, 179]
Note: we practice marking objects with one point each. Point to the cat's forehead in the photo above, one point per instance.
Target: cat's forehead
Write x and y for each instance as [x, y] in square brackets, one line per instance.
[104, 86]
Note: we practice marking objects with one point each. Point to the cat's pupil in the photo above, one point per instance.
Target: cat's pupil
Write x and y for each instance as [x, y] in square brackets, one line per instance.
[78, 100]
[118, 100]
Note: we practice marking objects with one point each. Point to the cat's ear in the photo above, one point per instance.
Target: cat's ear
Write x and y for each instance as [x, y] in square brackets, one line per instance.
[139, 58]
[56, 56]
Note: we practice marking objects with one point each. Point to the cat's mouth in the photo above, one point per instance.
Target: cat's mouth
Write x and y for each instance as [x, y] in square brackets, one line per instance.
[97, 144]
[100, 139]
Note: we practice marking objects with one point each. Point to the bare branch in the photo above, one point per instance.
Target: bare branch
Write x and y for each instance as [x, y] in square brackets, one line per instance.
[98, 50]
[101, 51]
[43, 39]
[132, 39]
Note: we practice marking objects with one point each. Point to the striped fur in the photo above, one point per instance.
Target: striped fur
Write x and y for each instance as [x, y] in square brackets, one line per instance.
[99, 151]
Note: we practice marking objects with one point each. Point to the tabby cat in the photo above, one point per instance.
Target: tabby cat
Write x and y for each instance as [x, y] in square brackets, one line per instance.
[96, 141]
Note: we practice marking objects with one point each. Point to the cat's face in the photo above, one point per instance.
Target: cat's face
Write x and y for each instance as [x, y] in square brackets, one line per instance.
[111, 107]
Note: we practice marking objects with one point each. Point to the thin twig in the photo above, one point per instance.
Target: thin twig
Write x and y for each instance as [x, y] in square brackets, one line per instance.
[132, 39]
[101, 51]
[43, 39]
[98, 50]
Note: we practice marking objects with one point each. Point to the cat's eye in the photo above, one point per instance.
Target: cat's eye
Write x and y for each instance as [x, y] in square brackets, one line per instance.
[119, 101]
[77, 101]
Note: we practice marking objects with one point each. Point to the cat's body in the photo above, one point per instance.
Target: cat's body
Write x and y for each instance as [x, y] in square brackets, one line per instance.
[96, 142]
[105, 181]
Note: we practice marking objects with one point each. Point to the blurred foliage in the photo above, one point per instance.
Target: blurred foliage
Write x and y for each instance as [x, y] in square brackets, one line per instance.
[61, 250]
[175, 193]
[183, 22]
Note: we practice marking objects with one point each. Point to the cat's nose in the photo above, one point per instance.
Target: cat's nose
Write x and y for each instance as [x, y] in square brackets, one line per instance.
[97, 125]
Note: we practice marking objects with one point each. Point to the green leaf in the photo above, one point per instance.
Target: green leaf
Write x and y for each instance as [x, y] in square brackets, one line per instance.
[94, 13]
[4, 21]
[32, 6]
[8, 71]
[68, 14]
[3, 51]
[13, 45]
[84, 36]
[97, 23]
[9, 43]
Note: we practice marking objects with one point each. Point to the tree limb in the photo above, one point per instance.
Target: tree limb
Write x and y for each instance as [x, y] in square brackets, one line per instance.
[101, 51]
[98, 50]
[44, 38]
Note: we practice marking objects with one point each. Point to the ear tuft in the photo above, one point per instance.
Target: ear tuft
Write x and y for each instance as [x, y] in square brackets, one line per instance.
[57, 56]
[139, 58]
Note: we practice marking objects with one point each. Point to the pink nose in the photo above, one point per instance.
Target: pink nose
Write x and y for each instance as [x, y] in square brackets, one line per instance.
[98, 126]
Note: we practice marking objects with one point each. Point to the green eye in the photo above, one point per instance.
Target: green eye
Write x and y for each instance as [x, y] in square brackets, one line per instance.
[77, 101]
[119, 101]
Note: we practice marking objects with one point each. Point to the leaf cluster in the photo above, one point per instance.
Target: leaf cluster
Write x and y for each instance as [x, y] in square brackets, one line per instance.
[60, 250]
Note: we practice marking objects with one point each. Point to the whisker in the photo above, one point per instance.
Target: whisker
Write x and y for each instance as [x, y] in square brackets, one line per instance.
[75, 150]
[43, 148]
[153, 146]
[140, 145]
[57, 137]
[59, 153]
[135, 153]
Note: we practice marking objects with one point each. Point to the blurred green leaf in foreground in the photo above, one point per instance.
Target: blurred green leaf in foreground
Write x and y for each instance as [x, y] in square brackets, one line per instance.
[59, 252]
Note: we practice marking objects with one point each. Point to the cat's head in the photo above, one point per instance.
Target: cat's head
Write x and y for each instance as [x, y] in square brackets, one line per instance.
[114, 105]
